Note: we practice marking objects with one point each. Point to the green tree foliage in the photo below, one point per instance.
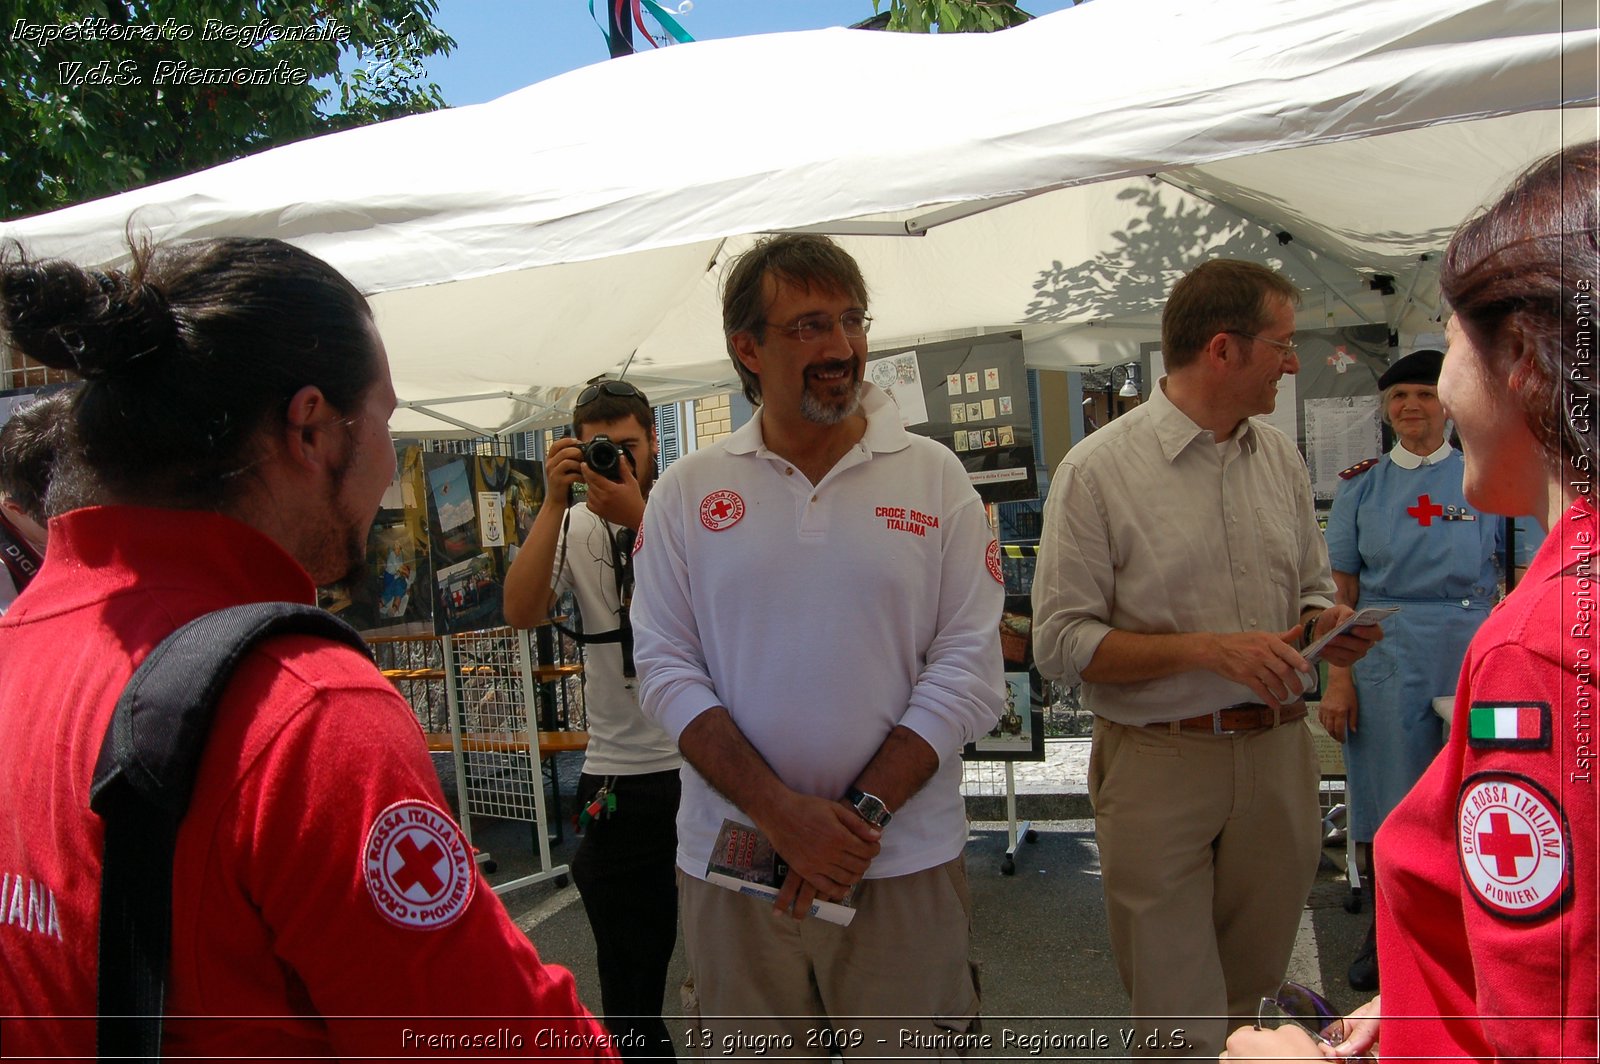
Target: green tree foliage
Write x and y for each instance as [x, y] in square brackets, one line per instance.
[100, 96]
[952, 16]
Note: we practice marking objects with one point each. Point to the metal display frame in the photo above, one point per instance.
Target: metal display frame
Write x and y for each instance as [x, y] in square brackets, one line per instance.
[495, 739]
[492, 697]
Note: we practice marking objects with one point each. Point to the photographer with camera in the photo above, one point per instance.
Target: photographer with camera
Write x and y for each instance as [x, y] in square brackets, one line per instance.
[624, 867]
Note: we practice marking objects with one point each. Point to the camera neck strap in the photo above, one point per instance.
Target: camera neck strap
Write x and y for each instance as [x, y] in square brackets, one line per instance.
[621, 541]
[622, 565]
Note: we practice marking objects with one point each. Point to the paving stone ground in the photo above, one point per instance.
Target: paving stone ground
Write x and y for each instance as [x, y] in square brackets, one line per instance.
[1039, 932]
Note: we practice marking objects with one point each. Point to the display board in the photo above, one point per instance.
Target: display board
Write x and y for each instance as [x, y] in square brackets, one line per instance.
[1019, 734]
[1340, 432]
[971, 396]
[441, 544]
[478, 509]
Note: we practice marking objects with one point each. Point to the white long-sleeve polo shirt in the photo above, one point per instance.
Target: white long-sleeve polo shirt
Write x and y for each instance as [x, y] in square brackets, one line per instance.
[821, 616]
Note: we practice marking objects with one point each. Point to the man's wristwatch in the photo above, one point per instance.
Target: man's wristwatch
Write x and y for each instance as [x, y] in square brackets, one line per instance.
[869, 807]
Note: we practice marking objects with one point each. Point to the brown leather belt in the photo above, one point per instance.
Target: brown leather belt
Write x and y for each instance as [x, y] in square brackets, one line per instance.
[1246, 717]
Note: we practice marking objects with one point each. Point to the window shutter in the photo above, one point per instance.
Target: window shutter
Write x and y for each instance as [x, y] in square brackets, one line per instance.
[668, 431]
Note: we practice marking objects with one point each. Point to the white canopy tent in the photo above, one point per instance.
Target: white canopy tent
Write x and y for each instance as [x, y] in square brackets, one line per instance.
[1052, 179]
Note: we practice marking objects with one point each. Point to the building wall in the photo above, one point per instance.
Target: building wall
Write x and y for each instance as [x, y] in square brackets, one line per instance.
[712, 419]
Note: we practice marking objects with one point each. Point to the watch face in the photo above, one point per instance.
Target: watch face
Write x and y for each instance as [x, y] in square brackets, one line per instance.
[872, 810]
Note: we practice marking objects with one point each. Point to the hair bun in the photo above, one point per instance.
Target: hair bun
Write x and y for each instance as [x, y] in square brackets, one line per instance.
[98, 325]
[138, 324]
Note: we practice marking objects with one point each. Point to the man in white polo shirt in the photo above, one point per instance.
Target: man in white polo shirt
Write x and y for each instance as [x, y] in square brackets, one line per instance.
[817, 622]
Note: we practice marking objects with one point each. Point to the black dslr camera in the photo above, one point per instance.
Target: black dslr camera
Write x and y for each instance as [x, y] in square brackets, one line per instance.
[605, 457]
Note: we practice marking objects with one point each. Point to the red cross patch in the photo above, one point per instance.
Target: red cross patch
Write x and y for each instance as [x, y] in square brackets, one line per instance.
[1512, 838]
[992, 558]
[638, 539]
[418, 867]
[1425, 511]
[721, 510]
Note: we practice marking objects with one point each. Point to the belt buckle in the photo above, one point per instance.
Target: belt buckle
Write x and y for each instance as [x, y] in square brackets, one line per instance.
[1218, 729]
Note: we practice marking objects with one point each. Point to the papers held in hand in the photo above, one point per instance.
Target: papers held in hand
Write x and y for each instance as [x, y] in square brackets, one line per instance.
[743, 860]
[1313, 653]
[1368, 615]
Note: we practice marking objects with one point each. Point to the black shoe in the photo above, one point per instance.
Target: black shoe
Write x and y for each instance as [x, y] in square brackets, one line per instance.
[1363, 973]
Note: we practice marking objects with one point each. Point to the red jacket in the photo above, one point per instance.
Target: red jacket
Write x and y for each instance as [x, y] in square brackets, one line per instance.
[1486, 923]
[319, 882]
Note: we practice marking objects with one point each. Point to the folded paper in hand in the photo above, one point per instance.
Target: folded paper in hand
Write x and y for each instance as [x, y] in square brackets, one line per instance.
[743, 860]
[1369, 615]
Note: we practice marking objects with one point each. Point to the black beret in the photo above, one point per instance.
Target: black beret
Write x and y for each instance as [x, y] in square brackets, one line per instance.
[1419, 367]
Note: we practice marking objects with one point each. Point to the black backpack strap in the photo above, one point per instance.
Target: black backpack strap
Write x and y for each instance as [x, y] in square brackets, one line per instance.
[142, 784]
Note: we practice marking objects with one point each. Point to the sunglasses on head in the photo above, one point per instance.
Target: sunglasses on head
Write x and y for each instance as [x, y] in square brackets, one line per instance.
[618, 388]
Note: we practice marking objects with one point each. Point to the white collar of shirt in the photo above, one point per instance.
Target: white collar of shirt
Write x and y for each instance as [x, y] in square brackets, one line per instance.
[884, 432]
[1176, 431]
[1406, 460]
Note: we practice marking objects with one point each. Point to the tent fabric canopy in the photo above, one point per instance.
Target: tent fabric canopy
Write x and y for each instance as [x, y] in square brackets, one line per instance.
[516, 248]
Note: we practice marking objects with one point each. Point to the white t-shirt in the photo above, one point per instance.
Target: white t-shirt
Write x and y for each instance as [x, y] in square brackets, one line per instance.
[621, 741]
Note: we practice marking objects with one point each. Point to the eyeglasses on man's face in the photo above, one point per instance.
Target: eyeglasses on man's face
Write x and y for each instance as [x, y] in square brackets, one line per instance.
[618, 388]
[1286, 346]
[813, 327]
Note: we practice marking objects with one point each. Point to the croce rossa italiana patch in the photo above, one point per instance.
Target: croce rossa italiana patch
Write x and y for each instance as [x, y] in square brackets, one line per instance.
[1514, 844]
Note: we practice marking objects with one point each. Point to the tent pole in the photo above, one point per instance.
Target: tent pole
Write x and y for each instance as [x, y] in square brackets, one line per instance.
[457, 422]
[619, 35]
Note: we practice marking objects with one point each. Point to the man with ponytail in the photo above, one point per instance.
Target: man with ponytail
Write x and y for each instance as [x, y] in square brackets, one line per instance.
[229, 444]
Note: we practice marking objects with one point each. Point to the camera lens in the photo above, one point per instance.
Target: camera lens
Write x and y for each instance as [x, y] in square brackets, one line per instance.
[604, 457]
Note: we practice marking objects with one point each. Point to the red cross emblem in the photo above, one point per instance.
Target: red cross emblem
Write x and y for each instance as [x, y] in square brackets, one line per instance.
[1512, 840]
[1504, 845]
[991, 558]
[417, 866]
[1425, 510]
[721, 510]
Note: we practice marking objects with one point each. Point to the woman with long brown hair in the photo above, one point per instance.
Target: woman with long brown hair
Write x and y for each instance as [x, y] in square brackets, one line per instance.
[1486, 925]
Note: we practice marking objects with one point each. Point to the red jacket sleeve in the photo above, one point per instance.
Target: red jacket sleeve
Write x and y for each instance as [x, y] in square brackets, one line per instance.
[336, 855]
[1527, 840]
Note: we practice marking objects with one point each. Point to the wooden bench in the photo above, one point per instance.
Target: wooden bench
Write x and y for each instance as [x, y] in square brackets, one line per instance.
[550, 742]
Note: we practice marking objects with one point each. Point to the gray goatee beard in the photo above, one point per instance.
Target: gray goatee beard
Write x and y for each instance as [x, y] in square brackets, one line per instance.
[830, 412]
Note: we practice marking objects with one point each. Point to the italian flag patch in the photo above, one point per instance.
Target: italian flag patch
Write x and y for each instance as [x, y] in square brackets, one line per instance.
[1509, 725]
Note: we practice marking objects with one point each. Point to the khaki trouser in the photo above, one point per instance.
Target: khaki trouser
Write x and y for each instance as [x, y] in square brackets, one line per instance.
[1208, 849]
[897, 982]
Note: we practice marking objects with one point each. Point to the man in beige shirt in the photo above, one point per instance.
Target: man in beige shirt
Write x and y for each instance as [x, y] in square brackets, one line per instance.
[1180, 571]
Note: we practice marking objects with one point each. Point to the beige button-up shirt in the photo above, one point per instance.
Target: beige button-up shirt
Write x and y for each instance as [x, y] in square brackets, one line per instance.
[1152, 527]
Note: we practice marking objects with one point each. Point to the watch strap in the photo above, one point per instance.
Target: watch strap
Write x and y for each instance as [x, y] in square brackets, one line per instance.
[869, 807]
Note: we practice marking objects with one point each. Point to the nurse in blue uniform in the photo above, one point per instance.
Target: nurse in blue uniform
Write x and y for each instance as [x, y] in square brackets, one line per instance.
[1401, 534]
